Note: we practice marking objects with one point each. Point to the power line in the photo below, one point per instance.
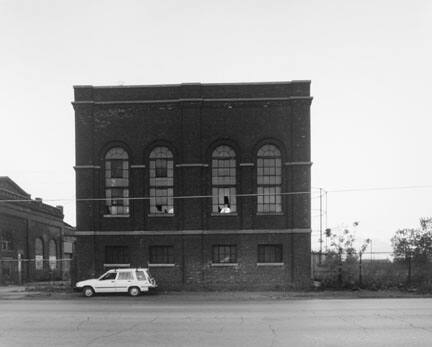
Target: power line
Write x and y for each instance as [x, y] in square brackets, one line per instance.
[148, 197]
[345, 190]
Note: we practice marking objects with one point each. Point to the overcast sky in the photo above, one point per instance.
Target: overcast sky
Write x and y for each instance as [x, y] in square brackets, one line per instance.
[369, 63]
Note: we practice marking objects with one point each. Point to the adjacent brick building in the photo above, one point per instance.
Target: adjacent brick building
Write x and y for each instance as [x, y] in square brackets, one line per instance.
[206, 184]
[32, 232]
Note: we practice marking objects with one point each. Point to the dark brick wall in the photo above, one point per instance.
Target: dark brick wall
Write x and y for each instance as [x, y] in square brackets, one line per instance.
[22, 225]
[192, 120]
[193, 268]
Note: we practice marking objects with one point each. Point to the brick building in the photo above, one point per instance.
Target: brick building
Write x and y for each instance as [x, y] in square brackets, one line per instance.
[206, 184]
[32, 231]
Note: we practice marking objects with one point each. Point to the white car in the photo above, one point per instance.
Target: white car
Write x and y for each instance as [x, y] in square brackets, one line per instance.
[132, 281]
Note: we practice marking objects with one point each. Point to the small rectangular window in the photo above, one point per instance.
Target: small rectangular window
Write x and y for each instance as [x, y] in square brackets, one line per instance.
[269, 253]
[5, 245]
[116, 255]
[224, 254]
[161, 254]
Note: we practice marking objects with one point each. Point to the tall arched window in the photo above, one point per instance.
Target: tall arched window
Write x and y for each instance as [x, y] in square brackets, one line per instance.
[52, 255]
[224, 180]
[161, 181]
[269, 179]
[117, 182]
[39, 251]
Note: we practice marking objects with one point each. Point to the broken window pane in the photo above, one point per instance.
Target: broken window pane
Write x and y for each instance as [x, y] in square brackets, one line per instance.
[161, 181]
[223, 180]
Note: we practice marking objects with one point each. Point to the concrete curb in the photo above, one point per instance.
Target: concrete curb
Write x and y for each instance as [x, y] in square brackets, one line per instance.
[34, 292]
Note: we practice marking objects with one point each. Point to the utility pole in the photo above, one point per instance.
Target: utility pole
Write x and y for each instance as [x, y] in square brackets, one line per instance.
[326, 220]
[321, 239]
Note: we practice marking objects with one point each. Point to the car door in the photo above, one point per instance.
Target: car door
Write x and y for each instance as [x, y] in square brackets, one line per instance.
[124, 280]
[106, 283]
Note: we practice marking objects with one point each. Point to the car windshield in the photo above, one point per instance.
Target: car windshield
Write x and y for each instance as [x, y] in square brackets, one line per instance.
[108, 276]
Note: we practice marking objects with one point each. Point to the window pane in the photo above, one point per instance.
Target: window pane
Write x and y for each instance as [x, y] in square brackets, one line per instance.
[224, 254]
[125, 276]
[223, 180]
[116, 255]
[161, 254]
[269, 179]
[161, 201]
[116, 182]
[269, 253]
[161, 168]
[161, 181]
[224, 200]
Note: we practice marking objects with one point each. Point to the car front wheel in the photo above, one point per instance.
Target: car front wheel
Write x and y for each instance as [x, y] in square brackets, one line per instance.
[88, 292]
[134, 291]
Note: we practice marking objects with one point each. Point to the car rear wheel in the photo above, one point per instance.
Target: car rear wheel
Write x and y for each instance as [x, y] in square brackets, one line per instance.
[134, 291]
[88, 292]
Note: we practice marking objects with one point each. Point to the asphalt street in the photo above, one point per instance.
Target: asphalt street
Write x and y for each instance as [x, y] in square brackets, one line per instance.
[155, 321]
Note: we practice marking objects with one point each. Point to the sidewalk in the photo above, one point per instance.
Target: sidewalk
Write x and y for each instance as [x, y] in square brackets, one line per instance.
[45, 290]
[34, 290]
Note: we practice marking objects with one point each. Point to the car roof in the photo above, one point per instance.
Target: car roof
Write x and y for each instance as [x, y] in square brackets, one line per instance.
[128, 269]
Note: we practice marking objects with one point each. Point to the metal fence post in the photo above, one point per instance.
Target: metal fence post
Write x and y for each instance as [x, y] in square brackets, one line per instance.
[340, 269]
[360, 269]
[19, 269]
[409, 269]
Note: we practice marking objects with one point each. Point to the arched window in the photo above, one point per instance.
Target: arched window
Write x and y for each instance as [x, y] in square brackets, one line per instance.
[117, 182]
[269, 179]
[161, 181]
[224, 180]
[52, 255]
[39, 251]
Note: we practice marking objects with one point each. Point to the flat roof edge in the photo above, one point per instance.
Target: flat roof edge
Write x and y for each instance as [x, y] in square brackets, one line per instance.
[191, 84]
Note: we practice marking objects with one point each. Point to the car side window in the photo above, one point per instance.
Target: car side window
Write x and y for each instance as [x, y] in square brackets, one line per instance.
[125, 276]
[109, 276]
[140, 276]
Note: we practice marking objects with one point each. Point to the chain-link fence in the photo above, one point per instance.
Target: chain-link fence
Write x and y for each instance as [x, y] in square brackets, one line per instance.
[374, 270]
[20, 271]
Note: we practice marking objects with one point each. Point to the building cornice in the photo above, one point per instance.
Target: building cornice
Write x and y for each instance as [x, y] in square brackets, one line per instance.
[192, 165]
[139, 166]
[193, 100]
[298, 163]
[79, 167]
[192, 232]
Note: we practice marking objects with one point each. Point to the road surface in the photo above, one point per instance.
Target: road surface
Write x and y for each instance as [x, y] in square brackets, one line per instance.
[154, 321]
